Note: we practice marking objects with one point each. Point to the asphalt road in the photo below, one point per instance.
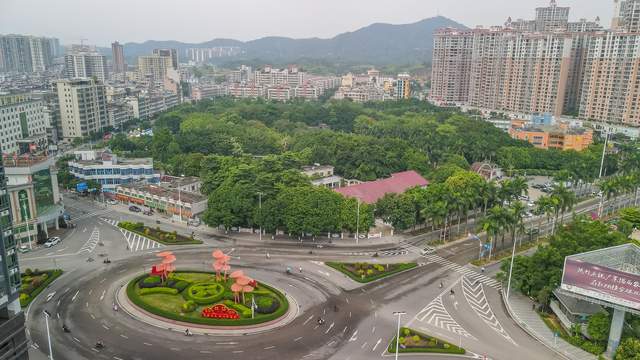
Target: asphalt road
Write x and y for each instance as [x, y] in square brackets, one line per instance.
[361, 329]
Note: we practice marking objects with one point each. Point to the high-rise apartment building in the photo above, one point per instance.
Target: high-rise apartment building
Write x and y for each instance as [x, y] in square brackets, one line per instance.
[451, 66]
[85, 62]
[83, 108]
[117, 52]
[24, 124]
[626, 16]
[153, 68]
[23, 53]
[13, 340]
[552, 17]
[611, 84]
[170, 53]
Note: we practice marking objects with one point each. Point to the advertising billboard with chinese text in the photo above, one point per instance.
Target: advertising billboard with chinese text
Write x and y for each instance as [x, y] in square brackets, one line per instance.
[602, 283]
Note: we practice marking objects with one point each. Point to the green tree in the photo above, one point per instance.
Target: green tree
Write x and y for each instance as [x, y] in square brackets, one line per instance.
[598, 326]
[629, 349]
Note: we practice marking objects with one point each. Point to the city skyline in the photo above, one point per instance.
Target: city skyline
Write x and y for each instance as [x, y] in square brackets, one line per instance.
[200, 26]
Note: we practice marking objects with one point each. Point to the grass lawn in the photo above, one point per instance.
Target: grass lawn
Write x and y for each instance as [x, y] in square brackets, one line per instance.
[33, 282]
[412, 341]
[155, 234]
[553, 324]
[196, 291]
[365, 272]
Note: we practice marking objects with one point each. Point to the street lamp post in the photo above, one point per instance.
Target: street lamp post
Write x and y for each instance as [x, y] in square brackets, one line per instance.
[399, 315]
[260, 207]
[358, 221]
[46, 320]
[604, 150]
[513, 255]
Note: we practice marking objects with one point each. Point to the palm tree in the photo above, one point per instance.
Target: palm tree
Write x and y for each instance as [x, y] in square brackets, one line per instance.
[492, 225]
[544, 206]
[609, 188]
[515, 219]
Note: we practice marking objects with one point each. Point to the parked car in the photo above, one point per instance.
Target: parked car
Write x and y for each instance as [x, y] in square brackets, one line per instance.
[148, 212]
[194, 222]
[112, 202]
[52, 241]
[23, 248]
[134, 208]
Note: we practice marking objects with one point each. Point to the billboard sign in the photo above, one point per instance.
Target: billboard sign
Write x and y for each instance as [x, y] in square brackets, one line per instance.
[601, 283]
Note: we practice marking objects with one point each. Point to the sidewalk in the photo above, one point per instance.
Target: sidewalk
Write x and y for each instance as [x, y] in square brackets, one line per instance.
[520, 309]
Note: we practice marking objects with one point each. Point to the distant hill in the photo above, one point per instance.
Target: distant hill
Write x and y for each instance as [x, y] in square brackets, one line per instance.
[375, 44]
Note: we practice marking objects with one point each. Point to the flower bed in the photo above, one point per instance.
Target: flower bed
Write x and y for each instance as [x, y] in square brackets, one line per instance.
[205, 300]
[33, 282]
[155, 234]
[412, 341]
[365, 272]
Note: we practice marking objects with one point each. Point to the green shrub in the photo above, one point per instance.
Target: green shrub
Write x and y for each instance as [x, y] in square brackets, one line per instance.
[150, 282]
[204, 293]
[267, 304]
[188, 306]
[402, 340]
[243, 310]
[415, 338]
[158, 290]
[28, 271]
[180, 285]
[406, 332]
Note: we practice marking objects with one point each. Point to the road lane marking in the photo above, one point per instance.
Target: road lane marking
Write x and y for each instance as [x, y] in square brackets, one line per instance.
[354, 337]
[102, 296]
[306, 321]
[105, 326]
[74, 296]
[363, 345]
[269, 347]
[50, 296]
[76, 339]
[376, 345]
[329, 329]
[298, 338]
[124, 336]
[146, 343]
[373, 330]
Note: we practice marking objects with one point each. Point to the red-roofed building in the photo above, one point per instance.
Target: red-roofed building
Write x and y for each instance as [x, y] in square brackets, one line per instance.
[371, 191]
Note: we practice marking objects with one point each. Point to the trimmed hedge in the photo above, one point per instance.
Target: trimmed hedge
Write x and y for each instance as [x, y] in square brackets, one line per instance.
[138, 301]
[446, 349]
[26, 299]
[135, 228]
[266, 304]
[341, 267]
[245, 311]
[158, 290]
[202, 299]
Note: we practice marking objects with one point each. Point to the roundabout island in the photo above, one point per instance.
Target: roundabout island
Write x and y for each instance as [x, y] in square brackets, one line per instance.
[206, 300]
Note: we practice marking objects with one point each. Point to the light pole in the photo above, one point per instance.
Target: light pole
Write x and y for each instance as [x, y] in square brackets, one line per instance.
[46, 320]
[358, 221]
[604, 150]
[513, 255]
[260, 209]
[399, 315]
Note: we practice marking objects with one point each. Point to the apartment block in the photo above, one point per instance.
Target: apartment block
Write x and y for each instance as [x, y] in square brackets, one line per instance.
[85, 62]
[451, 66]
[552, 17]
[23, 124]
[83, 108]
[626, 16]
[117, 53]
[24, 53]
[153, 68]
[611, 84]
[560, 136]
[172, 54]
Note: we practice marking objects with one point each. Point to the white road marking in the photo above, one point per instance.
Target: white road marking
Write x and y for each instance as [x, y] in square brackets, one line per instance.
[146, 343]
[50, 296]
[76, 339]
[354, 337]
[373, 329]
[74, 296]
[376, 345]
[329, 329]
[306, 321]
[124, 336]
[363, 345]
[105, 326]
[102, 296]
[269, 347]
[298, 338]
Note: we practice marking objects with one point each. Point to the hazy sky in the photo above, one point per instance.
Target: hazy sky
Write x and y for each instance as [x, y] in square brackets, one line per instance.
[103, 21]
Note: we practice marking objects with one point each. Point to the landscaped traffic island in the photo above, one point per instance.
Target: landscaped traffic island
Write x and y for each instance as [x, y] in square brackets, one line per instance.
[33, 282]
[155, 234]
[364, 272]
[207, 298]
[412, 341]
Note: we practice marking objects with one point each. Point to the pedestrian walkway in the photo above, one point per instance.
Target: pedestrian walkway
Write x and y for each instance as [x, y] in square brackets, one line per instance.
[381, 253]
[134, 241]
[521, 310]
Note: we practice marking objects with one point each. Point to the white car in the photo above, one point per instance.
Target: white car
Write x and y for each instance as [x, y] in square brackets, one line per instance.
[112, 202]
[52, 241]
[428, 250]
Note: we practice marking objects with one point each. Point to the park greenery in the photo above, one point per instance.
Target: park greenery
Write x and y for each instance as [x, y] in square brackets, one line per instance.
[249, 154]
[158, 235]
[33, 282]
[365, 272]
[412, 341]
[189, 296]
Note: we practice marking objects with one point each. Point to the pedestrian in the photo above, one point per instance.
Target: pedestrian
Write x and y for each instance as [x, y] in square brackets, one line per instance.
[441, 284]
[300, 269]
[533, 306]
[115, 307]
[482, 270]
[268, 256]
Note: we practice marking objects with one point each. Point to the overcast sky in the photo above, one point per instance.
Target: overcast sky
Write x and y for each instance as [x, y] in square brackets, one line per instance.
[102, 22]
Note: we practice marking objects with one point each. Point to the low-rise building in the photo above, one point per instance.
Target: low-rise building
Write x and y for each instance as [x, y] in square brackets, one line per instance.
[162, 198]
[371, 191]
[210, 91]
[110, 171]
[322, 175]
[561, 136]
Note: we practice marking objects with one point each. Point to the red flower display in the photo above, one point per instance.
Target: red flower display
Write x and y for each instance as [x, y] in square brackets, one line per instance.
[220, 311]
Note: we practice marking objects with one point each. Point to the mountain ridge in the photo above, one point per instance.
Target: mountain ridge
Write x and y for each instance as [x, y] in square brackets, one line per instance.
[377, 43]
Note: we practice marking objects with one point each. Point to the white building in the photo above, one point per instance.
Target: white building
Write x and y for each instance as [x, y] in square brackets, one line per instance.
[86, 64]
[83, 107]
[23, 119]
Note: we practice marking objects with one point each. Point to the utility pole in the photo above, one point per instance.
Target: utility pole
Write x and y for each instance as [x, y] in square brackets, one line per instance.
[513, 255]
[604, 150]
[46, 320]
[399, 315]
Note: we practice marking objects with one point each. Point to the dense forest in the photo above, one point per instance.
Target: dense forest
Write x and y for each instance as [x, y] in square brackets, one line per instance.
[251, 150]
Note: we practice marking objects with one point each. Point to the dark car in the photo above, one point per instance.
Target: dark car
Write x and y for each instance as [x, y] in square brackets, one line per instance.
[134, 208]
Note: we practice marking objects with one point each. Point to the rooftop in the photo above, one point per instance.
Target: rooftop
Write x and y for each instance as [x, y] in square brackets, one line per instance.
[371, 191]
[165, 192]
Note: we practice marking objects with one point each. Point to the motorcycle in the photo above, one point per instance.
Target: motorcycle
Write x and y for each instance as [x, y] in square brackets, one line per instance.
[99, 345]
[65, 328]
[106, 261]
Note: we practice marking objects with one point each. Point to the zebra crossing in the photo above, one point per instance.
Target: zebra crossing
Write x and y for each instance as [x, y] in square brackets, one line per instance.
[383, 253]
[137, 242]
[437, 315]
[450, 265]
[474, 293]
[93, 241]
